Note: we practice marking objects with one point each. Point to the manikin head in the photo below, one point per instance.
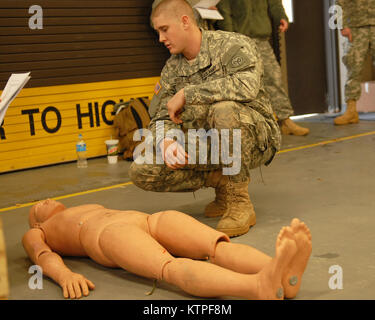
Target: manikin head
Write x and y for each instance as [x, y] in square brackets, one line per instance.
[43, 210]
[176, 25]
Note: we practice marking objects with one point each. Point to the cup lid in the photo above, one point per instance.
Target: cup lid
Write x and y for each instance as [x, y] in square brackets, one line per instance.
[113, 141]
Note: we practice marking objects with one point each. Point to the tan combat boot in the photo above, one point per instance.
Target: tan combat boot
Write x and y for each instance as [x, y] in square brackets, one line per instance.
[350, 115]
[217, 207]
[240, 214]
[287, 126]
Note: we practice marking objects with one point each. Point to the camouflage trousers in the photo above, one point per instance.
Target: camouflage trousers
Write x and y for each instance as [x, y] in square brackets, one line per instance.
[255, 150]
[273, 82]
[363, 41]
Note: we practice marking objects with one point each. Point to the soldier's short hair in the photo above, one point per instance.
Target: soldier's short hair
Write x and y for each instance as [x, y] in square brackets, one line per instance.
[177, 8]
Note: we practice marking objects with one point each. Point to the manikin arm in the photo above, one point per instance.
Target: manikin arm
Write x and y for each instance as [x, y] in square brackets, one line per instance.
[73, 284]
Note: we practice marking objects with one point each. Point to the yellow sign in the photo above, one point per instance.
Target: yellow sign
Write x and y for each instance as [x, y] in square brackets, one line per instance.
[42, 125]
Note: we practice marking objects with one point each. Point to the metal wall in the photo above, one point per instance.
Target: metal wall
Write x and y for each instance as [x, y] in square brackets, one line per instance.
[88, 56]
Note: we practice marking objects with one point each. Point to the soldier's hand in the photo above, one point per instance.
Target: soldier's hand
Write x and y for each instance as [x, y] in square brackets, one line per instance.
[175, 106]
[347, 32]
[174, 155]
[284, 25]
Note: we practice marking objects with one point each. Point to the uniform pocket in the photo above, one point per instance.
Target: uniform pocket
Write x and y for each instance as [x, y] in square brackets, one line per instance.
[257, 128]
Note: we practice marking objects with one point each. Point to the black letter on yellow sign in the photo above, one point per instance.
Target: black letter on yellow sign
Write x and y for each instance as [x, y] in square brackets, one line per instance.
[94, 113]
[58, 115]
[30, 112]
[2, 132]
[108, 103]
[81, 115]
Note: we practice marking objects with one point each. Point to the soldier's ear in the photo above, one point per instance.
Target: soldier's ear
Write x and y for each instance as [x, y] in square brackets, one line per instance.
[185, 21]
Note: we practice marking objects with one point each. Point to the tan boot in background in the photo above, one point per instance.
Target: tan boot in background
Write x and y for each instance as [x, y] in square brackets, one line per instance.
[350, 115]
[240, 214]
[287, 127]
[217, 207]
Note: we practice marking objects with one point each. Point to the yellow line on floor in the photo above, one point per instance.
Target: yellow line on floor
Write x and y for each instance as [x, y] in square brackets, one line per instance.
[68, 196]
[129, 183]
[327, 142]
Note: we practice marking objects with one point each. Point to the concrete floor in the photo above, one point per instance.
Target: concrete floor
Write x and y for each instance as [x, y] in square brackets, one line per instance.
[330, 187]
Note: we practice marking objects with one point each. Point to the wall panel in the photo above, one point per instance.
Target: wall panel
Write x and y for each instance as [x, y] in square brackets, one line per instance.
[88, 56]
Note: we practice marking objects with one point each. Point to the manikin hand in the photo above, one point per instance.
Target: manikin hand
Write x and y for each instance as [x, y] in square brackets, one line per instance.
[74, 284]
[346, 32]
[175, 106]
[174, 154]
[284, 25]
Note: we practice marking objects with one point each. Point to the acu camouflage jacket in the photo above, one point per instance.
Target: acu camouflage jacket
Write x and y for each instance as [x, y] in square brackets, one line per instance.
[358, 13]
[227, 68]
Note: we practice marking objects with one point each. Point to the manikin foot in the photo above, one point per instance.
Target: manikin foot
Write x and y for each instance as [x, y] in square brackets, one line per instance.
[293, 275]
[270, 277]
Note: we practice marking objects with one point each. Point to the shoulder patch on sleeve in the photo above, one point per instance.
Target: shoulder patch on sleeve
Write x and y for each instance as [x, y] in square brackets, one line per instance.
[236, 59]
[157, 88]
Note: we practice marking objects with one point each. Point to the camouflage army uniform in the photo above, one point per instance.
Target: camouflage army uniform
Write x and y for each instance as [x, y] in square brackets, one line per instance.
[223, 90]
[254, 19]
[273, 81]
[359, 16]
[202, 23]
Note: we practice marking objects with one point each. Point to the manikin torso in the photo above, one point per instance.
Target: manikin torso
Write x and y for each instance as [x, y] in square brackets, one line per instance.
[68, 232]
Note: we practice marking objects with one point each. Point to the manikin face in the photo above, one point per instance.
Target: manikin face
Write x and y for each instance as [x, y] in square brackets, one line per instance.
[43, 210]
[172, 32]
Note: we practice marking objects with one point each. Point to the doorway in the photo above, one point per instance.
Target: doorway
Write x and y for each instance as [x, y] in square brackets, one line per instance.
[306, 58]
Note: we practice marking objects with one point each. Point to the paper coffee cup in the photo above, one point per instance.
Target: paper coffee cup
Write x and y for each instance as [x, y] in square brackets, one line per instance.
[112, 159]
[112, 150]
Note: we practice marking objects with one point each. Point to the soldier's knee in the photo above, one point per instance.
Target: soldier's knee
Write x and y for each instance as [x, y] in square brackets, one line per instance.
[134, 172]
[145, 176]
[223, 107]
[224, 114]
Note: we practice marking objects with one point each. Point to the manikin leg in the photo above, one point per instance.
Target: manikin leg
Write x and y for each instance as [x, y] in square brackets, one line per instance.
[245, 259]
[239, 257]
[186, 237]
[208, 280]
[135, 250]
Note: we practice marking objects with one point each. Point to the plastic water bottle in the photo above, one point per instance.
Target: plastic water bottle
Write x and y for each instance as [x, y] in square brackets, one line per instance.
[81, 152]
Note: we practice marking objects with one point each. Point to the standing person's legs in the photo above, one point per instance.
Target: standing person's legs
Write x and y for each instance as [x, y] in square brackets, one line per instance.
[273, 82]
[372, 43]
[276, 91]
[354, 61]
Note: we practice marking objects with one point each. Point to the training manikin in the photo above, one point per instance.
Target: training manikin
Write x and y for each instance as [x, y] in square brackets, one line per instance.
[169, 246]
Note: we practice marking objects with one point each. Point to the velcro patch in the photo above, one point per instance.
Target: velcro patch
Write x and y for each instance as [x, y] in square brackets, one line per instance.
[157, 88]
[238, 62]
[235, 59]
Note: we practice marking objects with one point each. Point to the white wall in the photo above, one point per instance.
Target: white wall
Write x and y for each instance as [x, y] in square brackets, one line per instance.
[288, 6]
